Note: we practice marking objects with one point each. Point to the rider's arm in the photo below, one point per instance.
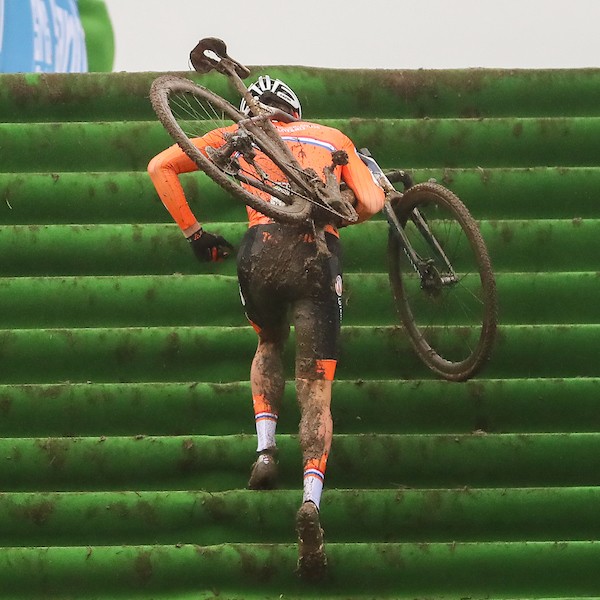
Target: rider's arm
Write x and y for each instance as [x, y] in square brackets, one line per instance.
[164, 170]
[370, 197]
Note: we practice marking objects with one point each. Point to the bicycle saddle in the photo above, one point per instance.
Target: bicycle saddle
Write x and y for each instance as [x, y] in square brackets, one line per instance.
[210, 53]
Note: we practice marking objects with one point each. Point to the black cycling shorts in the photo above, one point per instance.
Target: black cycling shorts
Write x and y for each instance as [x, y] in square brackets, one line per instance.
[282, 277]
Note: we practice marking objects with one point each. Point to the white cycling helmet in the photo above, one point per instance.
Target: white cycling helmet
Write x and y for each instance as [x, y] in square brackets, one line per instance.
[273, 86]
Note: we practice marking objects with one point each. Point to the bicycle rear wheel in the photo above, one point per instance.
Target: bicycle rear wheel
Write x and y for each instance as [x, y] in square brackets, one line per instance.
[187, 111]
[452, 326]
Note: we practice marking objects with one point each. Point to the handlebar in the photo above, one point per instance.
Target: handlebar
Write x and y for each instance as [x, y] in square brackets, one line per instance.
[399, 176]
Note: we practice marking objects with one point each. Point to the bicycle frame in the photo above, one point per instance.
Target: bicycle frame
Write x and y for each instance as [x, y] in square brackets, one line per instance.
[430, 279]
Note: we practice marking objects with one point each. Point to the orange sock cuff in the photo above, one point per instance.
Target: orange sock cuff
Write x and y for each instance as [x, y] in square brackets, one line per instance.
[316, 464]
[326, 368]
[316, 368]
[262, 407]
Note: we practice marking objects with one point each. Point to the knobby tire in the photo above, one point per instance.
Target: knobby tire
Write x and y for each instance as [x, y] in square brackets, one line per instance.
[451, 361]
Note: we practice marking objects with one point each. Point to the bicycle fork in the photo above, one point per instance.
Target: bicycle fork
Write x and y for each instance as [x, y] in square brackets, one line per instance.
[431, 278]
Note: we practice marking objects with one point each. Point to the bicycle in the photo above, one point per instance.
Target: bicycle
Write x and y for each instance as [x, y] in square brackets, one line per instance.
[441, 275]
[439, 267]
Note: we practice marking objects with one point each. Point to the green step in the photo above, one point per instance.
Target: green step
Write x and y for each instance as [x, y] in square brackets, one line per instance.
[105, 250]
[212, 299]
[81, 146]
[348, 516]
[129, 197]
[96, 197]
[126, 422]
[460, 143]
[215, 463]
[122, 301]
[223, 354]
[409, 143]
[325, 93]
[474, 570]
[534, 193]
[389, 406]
[569, 245]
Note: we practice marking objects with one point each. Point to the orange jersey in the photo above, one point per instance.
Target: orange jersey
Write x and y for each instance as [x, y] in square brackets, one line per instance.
[311, 144]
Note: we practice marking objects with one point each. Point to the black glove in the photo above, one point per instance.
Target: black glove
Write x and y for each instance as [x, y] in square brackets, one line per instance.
[208, 247]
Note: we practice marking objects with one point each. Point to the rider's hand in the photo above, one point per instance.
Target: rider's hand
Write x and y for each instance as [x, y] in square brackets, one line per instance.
[208, 247]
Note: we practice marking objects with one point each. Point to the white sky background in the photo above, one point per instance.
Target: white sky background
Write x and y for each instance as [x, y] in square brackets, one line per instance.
[157, 35]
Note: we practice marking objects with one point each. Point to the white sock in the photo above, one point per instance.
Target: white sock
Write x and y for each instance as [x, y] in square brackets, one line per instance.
[266, 424]
[313, 486]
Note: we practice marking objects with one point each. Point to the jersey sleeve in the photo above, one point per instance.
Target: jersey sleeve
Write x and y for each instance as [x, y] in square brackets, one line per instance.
[370, 197]
[164, 170]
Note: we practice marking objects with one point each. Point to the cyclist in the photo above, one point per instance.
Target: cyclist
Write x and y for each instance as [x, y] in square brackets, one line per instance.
[280, 269]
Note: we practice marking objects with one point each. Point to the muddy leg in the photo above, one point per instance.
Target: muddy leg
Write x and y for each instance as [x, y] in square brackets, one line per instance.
[266, 374]
[268, 384]
[316, 431]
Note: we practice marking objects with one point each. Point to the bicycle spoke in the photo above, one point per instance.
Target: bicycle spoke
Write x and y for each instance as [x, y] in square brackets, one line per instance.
[195, 116]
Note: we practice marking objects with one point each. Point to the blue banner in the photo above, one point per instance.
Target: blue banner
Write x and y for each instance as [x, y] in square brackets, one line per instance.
[41, 36]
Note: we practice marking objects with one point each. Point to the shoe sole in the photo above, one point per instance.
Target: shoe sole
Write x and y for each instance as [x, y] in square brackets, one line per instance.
[312, 561]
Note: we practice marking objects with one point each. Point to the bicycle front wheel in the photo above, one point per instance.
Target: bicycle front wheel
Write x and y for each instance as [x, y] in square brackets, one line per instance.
[187, 111]
[450, 313]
